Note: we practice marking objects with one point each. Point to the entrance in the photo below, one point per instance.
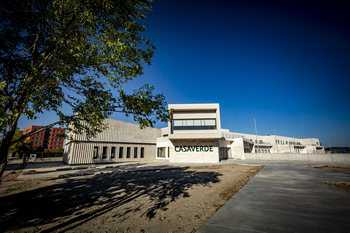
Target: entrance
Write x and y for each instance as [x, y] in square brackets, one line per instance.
[225, 153]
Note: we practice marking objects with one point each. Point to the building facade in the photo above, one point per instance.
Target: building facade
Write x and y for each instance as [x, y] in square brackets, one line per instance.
[194, 135]
[49, 138]
[196, 127]
[121, 142]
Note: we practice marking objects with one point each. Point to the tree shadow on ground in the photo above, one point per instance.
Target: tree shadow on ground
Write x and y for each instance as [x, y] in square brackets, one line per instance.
[103, 193]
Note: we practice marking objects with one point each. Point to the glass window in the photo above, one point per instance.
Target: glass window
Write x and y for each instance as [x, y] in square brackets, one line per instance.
[142, 152]
[209, 122]
[113, 152]
[177, 122]
[121, 150]
[161, 152]
[197, 122]
[193, 124]
[135, 152]
[104, 152]
[128, 152]
[95, 152]
[189, 122]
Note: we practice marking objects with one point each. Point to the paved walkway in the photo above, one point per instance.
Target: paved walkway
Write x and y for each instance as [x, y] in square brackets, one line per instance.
[285, 197]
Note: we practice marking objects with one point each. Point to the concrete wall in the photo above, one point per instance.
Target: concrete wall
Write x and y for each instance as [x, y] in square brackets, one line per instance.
[237, 148]
[194, 156]
[120, 131]
[195, 111]
[325, 158]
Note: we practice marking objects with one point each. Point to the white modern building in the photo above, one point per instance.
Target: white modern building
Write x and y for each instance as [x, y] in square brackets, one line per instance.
[193, 135]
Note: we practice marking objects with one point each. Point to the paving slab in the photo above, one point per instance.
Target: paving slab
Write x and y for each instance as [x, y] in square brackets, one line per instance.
[285, 197]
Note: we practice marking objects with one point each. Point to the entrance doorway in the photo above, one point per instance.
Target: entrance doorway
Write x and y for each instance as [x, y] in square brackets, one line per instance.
[225, 153]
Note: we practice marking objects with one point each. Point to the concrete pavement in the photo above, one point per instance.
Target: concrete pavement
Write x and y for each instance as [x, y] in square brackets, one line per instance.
[285, 197]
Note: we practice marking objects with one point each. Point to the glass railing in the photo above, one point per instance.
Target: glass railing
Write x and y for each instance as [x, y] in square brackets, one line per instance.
[263, 143]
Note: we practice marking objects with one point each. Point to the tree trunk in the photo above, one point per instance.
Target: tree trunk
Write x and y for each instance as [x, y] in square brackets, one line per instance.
[3, 157]
[3, 161]
[5, 145]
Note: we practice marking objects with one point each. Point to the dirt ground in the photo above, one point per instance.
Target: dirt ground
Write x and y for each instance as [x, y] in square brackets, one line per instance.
[334, 168]
[342, 186]
[178, 200]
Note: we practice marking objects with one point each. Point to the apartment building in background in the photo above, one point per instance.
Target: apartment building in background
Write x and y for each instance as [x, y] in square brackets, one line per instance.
[48, 138]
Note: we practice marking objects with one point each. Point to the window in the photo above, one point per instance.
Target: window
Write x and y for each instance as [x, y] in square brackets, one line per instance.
[104, 152]
[142, 152]
[135, 152]
[128, 152]
[95, 152]
[121, 150]
[113, 152]
[161, 152]
[193, 124]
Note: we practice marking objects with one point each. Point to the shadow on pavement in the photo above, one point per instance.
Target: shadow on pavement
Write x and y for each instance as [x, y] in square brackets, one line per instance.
[106, 192]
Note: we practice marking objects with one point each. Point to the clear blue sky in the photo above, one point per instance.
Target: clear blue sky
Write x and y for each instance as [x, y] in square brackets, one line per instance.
[287, 63]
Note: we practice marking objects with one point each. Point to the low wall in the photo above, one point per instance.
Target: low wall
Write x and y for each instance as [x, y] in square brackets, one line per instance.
[325, 158]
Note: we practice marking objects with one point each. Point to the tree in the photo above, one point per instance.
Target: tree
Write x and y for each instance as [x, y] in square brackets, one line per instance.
[16, 146]
[60, 150]
[40, 148]
[76, 54]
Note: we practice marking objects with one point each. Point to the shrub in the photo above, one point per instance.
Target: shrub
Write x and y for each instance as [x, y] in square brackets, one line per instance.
[60, 150]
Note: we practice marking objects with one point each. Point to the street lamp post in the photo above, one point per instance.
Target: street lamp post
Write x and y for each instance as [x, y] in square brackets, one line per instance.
[329, 146]
[276, 140]
[256, 133]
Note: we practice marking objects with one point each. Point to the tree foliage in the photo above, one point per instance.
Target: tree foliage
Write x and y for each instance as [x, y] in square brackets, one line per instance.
[16, 146]
[76, 53]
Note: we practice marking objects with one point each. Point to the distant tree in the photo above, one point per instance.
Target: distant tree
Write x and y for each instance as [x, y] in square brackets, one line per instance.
[26, 147]
[77, 54]
[60, 150]
[40, 148]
